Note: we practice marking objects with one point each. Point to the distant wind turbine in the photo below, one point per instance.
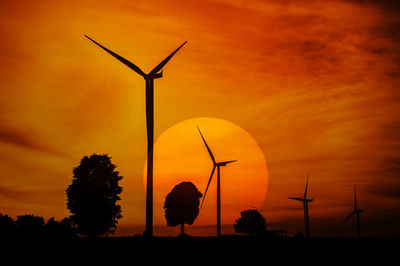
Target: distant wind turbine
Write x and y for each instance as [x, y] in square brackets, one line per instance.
[305, 206]
[216, 165]
[356, 212]
[157, 72]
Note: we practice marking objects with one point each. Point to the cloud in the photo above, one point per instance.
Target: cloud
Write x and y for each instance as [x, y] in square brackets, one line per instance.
[391, 6]
[14, 194]
[388, 185]
[24, 140]
[393, 166]
[387, 190]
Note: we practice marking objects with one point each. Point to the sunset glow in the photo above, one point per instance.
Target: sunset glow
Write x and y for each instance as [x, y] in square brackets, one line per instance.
[309, 86]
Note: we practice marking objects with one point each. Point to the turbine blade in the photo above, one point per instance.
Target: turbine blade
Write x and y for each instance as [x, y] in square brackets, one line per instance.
[350, 216]
[226, 162]
[165, 61]
[305, 192]
[121, 59]
[299, 199]
[209, 181]
[208, 148]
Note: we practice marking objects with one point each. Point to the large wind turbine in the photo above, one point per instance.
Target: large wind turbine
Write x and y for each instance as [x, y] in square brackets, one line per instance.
[216, 165]
[149, 78]
[356, 212]
[305, 206]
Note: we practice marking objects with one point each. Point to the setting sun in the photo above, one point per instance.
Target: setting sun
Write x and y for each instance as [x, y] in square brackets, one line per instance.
[180, 155]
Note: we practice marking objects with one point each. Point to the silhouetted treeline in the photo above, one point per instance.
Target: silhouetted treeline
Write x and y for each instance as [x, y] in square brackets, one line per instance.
[30, 226]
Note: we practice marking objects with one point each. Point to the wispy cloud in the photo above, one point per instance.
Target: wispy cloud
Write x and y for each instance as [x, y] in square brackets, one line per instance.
[14, 194]
[24, 140]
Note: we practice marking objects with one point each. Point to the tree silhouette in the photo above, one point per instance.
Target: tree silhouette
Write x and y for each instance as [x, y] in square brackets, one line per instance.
[6, 226]
[182, 205]
[29, 226]
[63, 229]
[93, 194]
[250, 222]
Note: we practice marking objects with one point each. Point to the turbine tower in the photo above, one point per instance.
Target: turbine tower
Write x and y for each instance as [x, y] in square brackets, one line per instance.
[356, 212]
[305, 207]
[157, 72]
[215, 165]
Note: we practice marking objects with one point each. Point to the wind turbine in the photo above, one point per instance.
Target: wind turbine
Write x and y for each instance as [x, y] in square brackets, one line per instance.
[356, 212]
[216, 165]
[149, 78]
[305, 207]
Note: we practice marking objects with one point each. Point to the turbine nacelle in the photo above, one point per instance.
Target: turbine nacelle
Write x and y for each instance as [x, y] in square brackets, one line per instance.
[155, 76]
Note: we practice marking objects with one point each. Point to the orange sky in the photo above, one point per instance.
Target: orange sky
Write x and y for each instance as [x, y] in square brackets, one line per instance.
[314, 82]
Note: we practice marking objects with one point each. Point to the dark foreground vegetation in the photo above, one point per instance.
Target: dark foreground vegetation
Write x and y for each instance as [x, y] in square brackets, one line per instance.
[35, 227]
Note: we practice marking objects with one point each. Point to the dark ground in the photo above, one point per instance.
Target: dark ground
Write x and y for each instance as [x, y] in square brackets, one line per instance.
[239, 250]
